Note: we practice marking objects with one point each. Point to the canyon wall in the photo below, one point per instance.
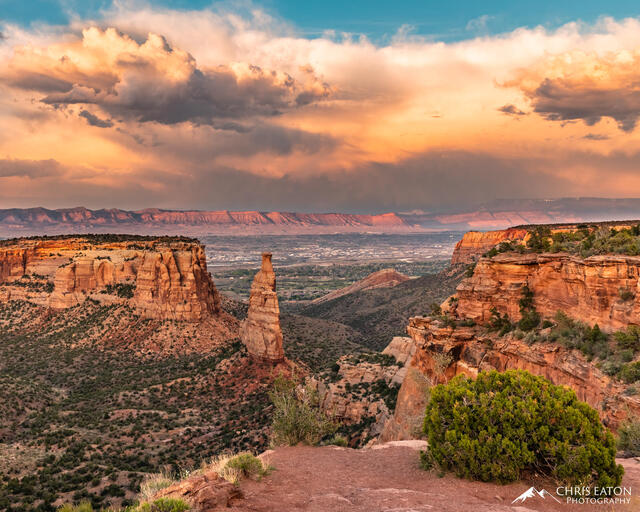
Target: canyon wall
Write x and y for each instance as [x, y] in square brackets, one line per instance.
[599, 289]
[162, 278]
[442, 353]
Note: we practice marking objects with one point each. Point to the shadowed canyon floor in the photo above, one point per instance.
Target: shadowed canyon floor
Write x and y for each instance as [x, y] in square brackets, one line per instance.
[389, 479]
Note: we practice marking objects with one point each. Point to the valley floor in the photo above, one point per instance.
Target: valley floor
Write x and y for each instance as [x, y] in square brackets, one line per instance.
[388, 478]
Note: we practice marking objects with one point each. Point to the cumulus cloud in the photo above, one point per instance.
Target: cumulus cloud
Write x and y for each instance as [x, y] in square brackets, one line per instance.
[152, 81]
[587, 87]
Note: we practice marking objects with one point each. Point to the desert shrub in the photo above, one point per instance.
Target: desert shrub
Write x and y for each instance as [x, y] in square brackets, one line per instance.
[297, 417]
[629, 437]
[150, 486]
[530, 318]
[85, 506]
[629, 339]
[491, 252]
[427, 462]
[630, 372]
[337, 440]
[500, 425]
[122, 290]
[538, 240]
[591, 341]
[625, 294]
[247, 465]
[441, 361]
[499, 323]
[163, 505]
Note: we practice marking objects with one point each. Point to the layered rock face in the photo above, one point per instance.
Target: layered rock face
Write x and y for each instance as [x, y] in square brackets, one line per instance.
[598, 289]
[442, 353]
[475, 243]
[260, 331]
[163, 278]
[359, 392]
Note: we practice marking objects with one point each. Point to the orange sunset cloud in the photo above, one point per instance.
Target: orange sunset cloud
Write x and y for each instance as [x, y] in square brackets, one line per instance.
[153, 107]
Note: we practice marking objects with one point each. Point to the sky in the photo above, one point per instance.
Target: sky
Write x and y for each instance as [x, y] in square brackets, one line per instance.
[316, 106]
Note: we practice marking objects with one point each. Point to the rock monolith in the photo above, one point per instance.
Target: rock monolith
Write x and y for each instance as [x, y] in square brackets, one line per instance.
[261, 332]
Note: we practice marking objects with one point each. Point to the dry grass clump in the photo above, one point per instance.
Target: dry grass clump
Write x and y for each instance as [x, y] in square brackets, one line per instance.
[234, 468]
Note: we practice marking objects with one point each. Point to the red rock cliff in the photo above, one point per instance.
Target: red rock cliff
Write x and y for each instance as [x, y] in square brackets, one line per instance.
[475, 243]
[442, 353]
[599, 289]
[162, 278]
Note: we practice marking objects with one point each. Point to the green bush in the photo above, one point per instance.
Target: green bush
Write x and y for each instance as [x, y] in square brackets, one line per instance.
[337, 440]
[630, 372]
[501, 424]
[530, 317]
[297, 417]
[629, 339]
[499, 323]
[629, 437]
[247, 465]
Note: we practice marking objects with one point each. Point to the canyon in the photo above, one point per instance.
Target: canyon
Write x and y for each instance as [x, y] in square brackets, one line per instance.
[179, 365]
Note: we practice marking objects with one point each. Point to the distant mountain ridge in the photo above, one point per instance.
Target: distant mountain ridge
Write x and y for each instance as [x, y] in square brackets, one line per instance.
[42, 220]
[498, 214]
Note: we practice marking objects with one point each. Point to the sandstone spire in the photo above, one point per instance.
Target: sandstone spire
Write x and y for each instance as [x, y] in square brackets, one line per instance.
[260, 332]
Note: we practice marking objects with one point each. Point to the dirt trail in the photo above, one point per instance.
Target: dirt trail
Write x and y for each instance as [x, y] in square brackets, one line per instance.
[388, 479]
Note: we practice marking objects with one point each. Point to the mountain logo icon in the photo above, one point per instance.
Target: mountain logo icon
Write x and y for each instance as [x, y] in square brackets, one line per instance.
[532, 492]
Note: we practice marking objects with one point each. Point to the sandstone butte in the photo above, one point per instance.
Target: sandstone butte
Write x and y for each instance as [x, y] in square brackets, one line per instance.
[260, 331]
[162, 278]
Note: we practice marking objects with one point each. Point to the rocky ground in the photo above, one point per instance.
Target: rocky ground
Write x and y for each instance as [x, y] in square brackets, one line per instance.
[389, 479]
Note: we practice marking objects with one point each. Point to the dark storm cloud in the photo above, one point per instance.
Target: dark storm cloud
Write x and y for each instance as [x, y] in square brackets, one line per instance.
[433, 180]
[562, 100]
[10, 168]
[511, 110]
[436, 181]
[153, 82]
[207, 143]
[94, 120]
